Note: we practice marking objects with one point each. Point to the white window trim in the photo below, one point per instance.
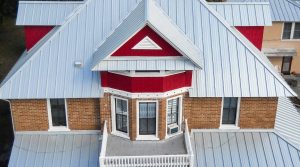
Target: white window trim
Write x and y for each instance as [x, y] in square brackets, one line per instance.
[226, 126]
[292, 32]
[113, 118]
[57, 128]
[146, 137]
[180, 120]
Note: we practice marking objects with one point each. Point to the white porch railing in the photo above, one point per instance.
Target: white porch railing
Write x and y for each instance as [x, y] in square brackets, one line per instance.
[148, 161]
[188, 144]
[182, 160]
[103, 146]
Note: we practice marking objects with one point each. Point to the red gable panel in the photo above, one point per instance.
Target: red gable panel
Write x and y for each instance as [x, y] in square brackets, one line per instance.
[254, 34]
[34, 34]
[166, 48]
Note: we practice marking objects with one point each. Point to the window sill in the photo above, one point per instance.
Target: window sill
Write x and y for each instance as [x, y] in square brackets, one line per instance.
[173, 135]
[59, 129]
[120, 134]
[290, 40]
[147, 137]
[229, 127]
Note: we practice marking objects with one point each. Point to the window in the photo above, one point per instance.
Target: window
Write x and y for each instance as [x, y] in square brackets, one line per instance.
[291, 31]
[147, 118]
[57, 113]
[173, 111]
[121, 115]
[230, 109]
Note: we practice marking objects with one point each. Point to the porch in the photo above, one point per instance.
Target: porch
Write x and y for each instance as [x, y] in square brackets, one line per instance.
[120, 152]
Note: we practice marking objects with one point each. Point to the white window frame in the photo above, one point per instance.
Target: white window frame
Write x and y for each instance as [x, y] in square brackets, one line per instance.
[233, 126]
[146, 137]
[292, 32]
[113, 118]
[57, 128]
[180, 120]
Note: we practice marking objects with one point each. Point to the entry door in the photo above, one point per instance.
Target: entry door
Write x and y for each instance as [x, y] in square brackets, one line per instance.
[147, 118]
[286, 65]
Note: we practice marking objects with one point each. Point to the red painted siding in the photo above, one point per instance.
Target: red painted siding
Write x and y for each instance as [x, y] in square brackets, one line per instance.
[146, 84]
[126, 49]
[254, 34]
[34, 34]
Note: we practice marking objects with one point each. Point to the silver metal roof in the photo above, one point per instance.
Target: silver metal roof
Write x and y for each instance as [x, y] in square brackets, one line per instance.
[45, 12]
[232, 65]
[36, 149]
[287, 121]
[217, 148]
[281, 10]
[148, 13]
[245, 14]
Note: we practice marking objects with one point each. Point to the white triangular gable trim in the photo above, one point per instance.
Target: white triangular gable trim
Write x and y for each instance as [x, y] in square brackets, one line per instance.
[146, 44]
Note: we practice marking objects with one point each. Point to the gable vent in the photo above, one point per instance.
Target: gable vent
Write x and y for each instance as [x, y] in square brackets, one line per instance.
[147, 44]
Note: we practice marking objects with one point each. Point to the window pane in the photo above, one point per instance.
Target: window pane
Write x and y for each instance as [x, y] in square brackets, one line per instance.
[287, 31]
[58, 112]
[173, 107]
[297, 31]
[121, 115]
[229, 110]
[147, 118]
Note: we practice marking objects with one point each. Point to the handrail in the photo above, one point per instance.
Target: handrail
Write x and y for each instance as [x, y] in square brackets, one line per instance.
[188, 143]
[103, 145]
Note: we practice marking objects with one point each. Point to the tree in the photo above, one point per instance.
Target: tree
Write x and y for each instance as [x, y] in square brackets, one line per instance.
[8, 8]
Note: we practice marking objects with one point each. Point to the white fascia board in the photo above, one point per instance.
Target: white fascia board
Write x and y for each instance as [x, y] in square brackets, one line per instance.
[128, 28]
[163, 25]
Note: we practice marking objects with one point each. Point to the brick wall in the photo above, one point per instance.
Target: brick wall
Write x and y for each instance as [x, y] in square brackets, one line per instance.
[257, 113]
[202, 113]
[30, 115]
[83, 114]
[105, 111]
[132, 119]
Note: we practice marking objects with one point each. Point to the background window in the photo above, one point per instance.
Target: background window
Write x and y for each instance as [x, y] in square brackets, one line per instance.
[287, 30]
[121, 115]
[229, 110]
[296, 31]
[58, 112]
[173, 108]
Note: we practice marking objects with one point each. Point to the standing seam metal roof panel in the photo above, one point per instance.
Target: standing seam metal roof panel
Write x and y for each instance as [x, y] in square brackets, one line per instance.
[45, 12]
[281, 10]
[244, 148]
[256, 14]
[37, 149]
[287, 121]
[206, 83]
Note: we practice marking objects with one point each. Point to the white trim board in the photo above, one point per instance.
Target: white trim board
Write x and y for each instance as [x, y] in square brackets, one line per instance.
[57, 128]
[146, 94]
[146, 137]
[113, 118]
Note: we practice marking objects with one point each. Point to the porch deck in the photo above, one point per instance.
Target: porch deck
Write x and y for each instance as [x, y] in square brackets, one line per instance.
[117, 146]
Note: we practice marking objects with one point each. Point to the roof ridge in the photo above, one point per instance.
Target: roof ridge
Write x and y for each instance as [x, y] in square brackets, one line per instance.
[295, 4]
[252, 49]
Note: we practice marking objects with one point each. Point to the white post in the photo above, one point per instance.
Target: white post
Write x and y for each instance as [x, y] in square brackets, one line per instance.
[103, 145]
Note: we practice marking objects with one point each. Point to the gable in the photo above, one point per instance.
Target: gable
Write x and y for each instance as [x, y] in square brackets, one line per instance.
[232, 66]
[146, 42]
